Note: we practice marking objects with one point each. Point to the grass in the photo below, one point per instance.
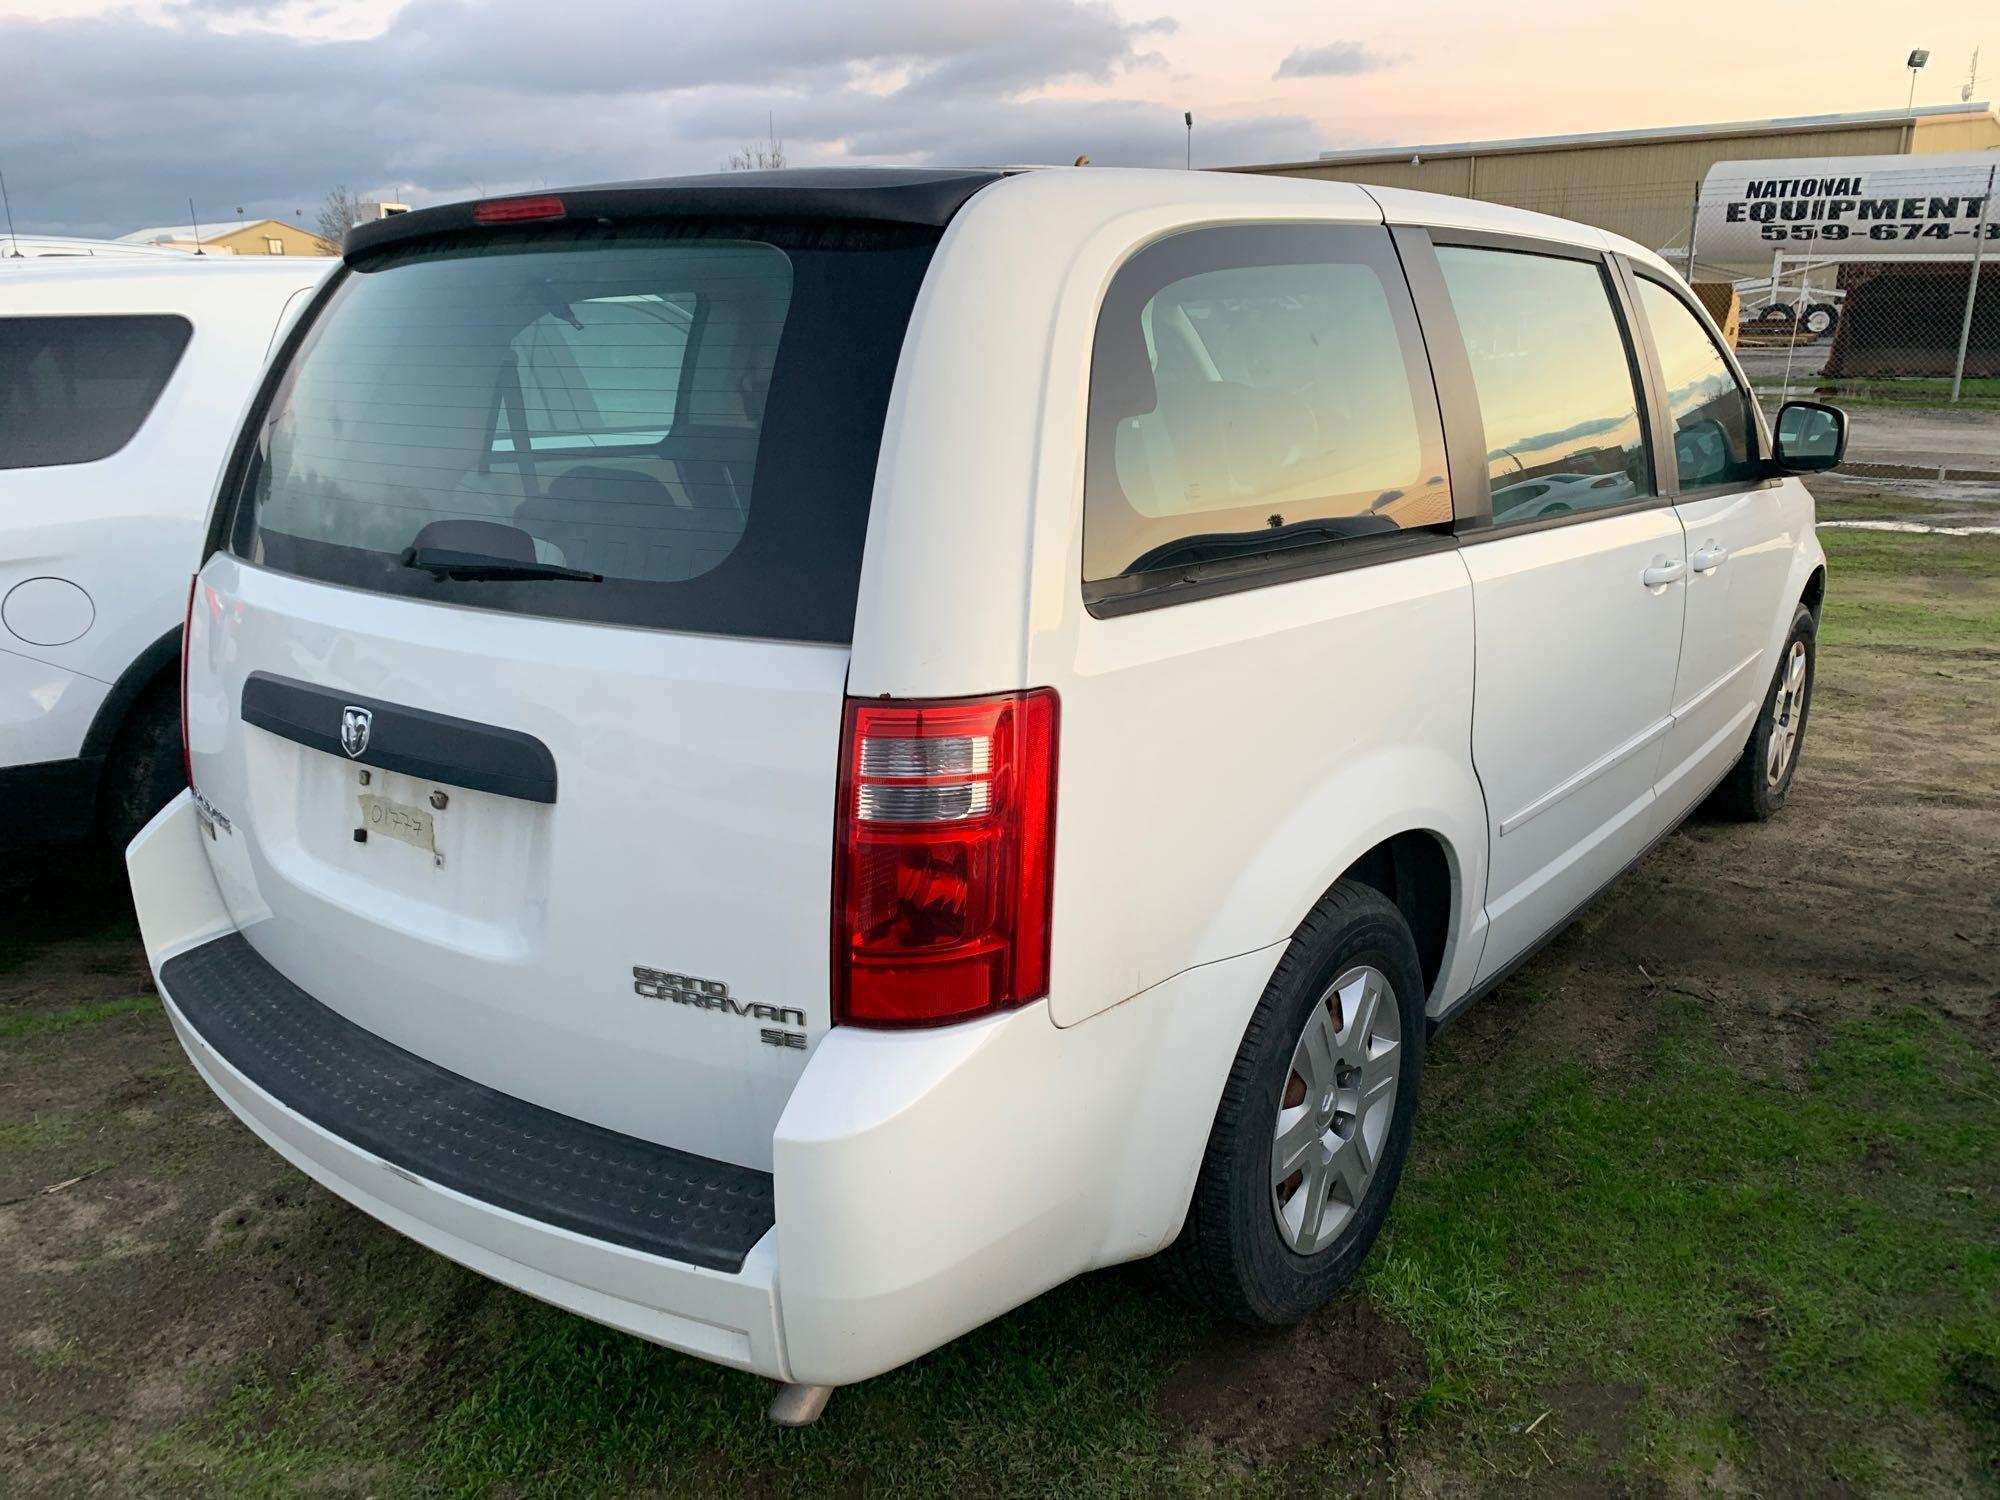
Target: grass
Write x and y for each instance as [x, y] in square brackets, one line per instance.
[46, 1022]
[1771, 1276]
[1979, 392]
[1896, 590]
[1696, 1230]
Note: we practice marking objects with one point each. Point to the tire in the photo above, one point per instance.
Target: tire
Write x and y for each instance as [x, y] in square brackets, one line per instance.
[1752, 792]
[1820, 319]
[145, 769]
[1776, 312]
[1234, 1256]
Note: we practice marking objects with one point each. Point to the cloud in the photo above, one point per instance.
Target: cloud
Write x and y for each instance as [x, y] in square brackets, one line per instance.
[115, 120]
[1334, 60]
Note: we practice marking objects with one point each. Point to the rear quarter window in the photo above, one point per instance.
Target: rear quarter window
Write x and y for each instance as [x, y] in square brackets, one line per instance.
[690, 414]
[1255, 391]
[74, 390]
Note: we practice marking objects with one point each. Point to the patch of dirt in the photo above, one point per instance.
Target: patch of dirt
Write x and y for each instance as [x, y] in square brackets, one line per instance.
[1263, 1396]
[1595, 1412]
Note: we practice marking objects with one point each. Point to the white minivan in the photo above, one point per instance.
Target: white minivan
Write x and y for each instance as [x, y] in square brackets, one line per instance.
[788, 761]
[122, 381]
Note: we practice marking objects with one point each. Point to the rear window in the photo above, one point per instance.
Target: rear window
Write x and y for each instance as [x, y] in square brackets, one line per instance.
[74, 390]
[677, 425]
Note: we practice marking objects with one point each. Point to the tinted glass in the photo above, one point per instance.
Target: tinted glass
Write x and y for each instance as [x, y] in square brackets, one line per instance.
[74, 390]
[1555, 384]
[1714, 435]
[693, 414]
[1253, 391]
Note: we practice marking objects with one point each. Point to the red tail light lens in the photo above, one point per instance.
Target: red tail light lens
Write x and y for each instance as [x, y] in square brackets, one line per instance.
[187, 636]
[942, 871]
[517, 210]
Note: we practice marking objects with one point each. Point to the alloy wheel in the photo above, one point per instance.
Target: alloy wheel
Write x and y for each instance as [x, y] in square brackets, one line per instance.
[1786, 715]
[1338, 1103]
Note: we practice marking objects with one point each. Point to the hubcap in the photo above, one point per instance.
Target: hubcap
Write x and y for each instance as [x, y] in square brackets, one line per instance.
[1335, 1112]
[1786, 713]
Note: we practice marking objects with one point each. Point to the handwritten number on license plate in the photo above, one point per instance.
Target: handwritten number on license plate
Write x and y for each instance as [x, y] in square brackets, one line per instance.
[397, 820]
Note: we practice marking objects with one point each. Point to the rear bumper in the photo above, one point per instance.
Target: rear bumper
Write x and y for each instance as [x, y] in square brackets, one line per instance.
[924, 1182]
[729, 1317]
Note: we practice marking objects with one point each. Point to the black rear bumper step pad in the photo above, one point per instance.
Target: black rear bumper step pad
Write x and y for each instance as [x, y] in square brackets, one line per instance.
[445, 1128]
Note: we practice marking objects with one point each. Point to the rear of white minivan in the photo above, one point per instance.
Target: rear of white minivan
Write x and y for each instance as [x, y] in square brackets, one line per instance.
[505, 898]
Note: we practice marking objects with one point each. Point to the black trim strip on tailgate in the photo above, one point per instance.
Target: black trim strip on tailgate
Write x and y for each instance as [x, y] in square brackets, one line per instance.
[447, 1129]
[415, 741]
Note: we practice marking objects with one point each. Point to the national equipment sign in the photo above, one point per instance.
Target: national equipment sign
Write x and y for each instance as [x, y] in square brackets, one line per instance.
[1847, 207]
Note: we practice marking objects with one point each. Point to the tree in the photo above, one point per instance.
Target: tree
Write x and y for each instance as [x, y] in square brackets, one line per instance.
[758, 156]
[340, 212]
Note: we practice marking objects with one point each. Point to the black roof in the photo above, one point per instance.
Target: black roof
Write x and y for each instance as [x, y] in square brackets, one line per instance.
[896, 195]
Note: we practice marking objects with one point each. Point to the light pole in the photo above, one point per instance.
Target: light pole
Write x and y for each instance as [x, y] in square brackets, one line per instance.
[1918, 57]
[1188, 116]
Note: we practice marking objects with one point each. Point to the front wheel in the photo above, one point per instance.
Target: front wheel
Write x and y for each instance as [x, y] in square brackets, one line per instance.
[1314, 1124]
[1763, 775]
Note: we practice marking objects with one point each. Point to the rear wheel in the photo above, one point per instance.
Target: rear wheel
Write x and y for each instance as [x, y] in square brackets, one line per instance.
[1310, 1137]
[145, 769]
[1762, 778]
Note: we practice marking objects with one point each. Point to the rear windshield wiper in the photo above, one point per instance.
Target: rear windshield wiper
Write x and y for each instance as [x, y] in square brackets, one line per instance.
[471, 567]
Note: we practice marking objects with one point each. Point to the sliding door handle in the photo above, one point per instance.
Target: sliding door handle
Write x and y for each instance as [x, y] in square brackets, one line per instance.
[1663, 572]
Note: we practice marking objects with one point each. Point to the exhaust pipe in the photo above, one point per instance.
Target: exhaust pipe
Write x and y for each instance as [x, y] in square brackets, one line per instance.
[799, 1405]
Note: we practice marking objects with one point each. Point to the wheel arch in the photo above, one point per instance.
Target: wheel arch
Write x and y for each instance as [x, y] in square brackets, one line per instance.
[144, 670]
[1814, 594]
[1416, 871]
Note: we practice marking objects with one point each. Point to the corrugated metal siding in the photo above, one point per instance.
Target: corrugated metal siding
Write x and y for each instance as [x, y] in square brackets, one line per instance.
[1957, 135]
[1643, 190]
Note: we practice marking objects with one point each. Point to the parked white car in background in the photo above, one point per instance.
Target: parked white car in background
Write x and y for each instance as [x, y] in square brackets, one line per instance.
[1064, 589]
[122, 382]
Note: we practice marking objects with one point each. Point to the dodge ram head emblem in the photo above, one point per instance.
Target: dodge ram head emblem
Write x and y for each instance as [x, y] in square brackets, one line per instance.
[354, 725]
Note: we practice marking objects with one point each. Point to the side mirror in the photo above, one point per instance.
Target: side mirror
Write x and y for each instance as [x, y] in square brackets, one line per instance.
[1811, 438]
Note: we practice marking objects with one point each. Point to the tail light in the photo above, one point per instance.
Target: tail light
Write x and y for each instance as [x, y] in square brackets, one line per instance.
[946, 829]
[187, 639]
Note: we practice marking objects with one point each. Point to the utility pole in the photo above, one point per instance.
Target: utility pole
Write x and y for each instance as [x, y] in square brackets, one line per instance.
[1972, 286]
[1694, 225]
[13, 239]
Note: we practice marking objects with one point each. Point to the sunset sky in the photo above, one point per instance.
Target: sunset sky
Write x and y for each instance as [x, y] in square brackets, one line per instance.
[117, 113]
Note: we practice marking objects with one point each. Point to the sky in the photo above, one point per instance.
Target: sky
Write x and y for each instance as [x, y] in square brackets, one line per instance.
[117, 111]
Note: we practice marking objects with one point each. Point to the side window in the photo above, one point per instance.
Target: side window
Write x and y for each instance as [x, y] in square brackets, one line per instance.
[1714, 433]
[601, 373]
[1555, 383]
[74, 390]
[1252, 390]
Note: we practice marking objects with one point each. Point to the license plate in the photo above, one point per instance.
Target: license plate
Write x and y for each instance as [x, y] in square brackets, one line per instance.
[397, 820]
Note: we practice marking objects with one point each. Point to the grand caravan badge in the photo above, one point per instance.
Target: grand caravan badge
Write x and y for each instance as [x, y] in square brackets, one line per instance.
[713, 994]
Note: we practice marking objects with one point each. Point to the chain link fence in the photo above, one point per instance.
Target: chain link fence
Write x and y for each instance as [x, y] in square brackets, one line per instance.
[1871, 282]
[1881, 287]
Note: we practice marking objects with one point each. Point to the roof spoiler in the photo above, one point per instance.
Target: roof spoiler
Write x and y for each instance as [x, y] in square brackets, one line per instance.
[895, 195]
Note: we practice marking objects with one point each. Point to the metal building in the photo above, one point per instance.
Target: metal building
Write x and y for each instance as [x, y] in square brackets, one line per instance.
[1644, 183]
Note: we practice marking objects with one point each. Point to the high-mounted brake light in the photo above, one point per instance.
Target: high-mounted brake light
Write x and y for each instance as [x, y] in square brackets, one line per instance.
[518, 210]
[944, 853]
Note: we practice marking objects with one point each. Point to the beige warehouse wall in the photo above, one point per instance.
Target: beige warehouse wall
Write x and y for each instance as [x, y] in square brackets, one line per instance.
[1979, 133]
[1641, 189]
